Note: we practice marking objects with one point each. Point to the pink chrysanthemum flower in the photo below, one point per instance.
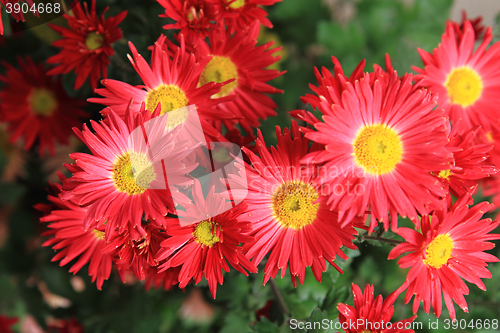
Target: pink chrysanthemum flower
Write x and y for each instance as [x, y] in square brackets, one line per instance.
[450, 248]
[193, 17]
[370, 314]
[36, 107]
[465, 80]
[468, 166]
[381, 144]
[86, 44]
[237, 57]
[205, 248]
[239, 15]
[171, 83]
[109, 181]
[290, 217]
[72, 241]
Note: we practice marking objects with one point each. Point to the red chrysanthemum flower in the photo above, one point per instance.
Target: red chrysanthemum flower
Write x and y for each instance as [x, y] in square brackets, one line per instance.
[381, 144]
[138, 251]
[65, 326]
[17, 16]
[465, 80]
[468, 166]
[449, 249]
[171, 83]
[72, 241]
[476, 25]
[238, 57]
[205, 248]
[166, 279]
[239, 15]
[193, 17]
[491, 185]
[86, 44]
[290, 218]
[234, 136]
[123, 181]
[491, 188]
[330, 87]
[6, 322]
[370, 314]
[36, 107]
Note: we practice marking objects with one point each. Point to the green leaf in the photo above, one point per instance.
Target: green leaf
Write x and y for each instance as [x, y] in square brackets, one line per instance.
[334, 296]
[319, 322]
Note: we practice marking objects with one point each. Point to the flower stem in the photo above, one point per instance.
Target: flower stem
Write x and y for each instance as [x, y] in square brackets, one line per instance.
[277, 295]
[392, 242]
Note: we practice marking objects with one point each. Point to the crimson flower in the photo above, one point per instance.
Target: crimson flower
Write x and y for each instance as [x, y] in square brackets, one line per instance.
[449, 248]
[36, 107]
[371, 314]
[86, 44]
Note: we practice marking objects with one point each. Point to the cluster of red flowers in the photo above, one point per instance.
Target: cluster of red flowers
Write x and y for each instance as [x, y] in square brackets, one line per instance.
[386, 146]
[101, 214]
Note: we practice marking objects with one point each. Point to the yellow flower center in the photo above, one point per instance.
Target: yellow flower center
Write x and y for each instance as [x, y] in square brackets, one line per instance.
[438, 251]
[445, 174]
[218, 70]
[236, 4]
[206, 233]
[377, 149]
[132, 173]
[293, 204]
[94, 41]
[171, 98]
[42, 101]
[464, 86]
[221, 154]
[98, 234]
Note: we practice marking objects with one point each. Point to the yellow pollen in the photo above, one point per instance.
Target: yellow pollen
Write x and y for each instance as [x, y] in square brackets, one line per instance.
[464, 86]
[42, 101]
[445, 174]
[489, 136]
[123, 173]
[171, 98]
[98, 234]
[377, 149]
[438, 252]
[293, 204]
[218, 70]
[94, 41]
[236, 4]
[206, 233]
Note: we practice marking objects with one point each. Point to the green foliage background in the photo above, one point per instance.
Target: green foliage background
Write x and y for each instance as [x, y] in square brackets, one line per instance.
[311, 32]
